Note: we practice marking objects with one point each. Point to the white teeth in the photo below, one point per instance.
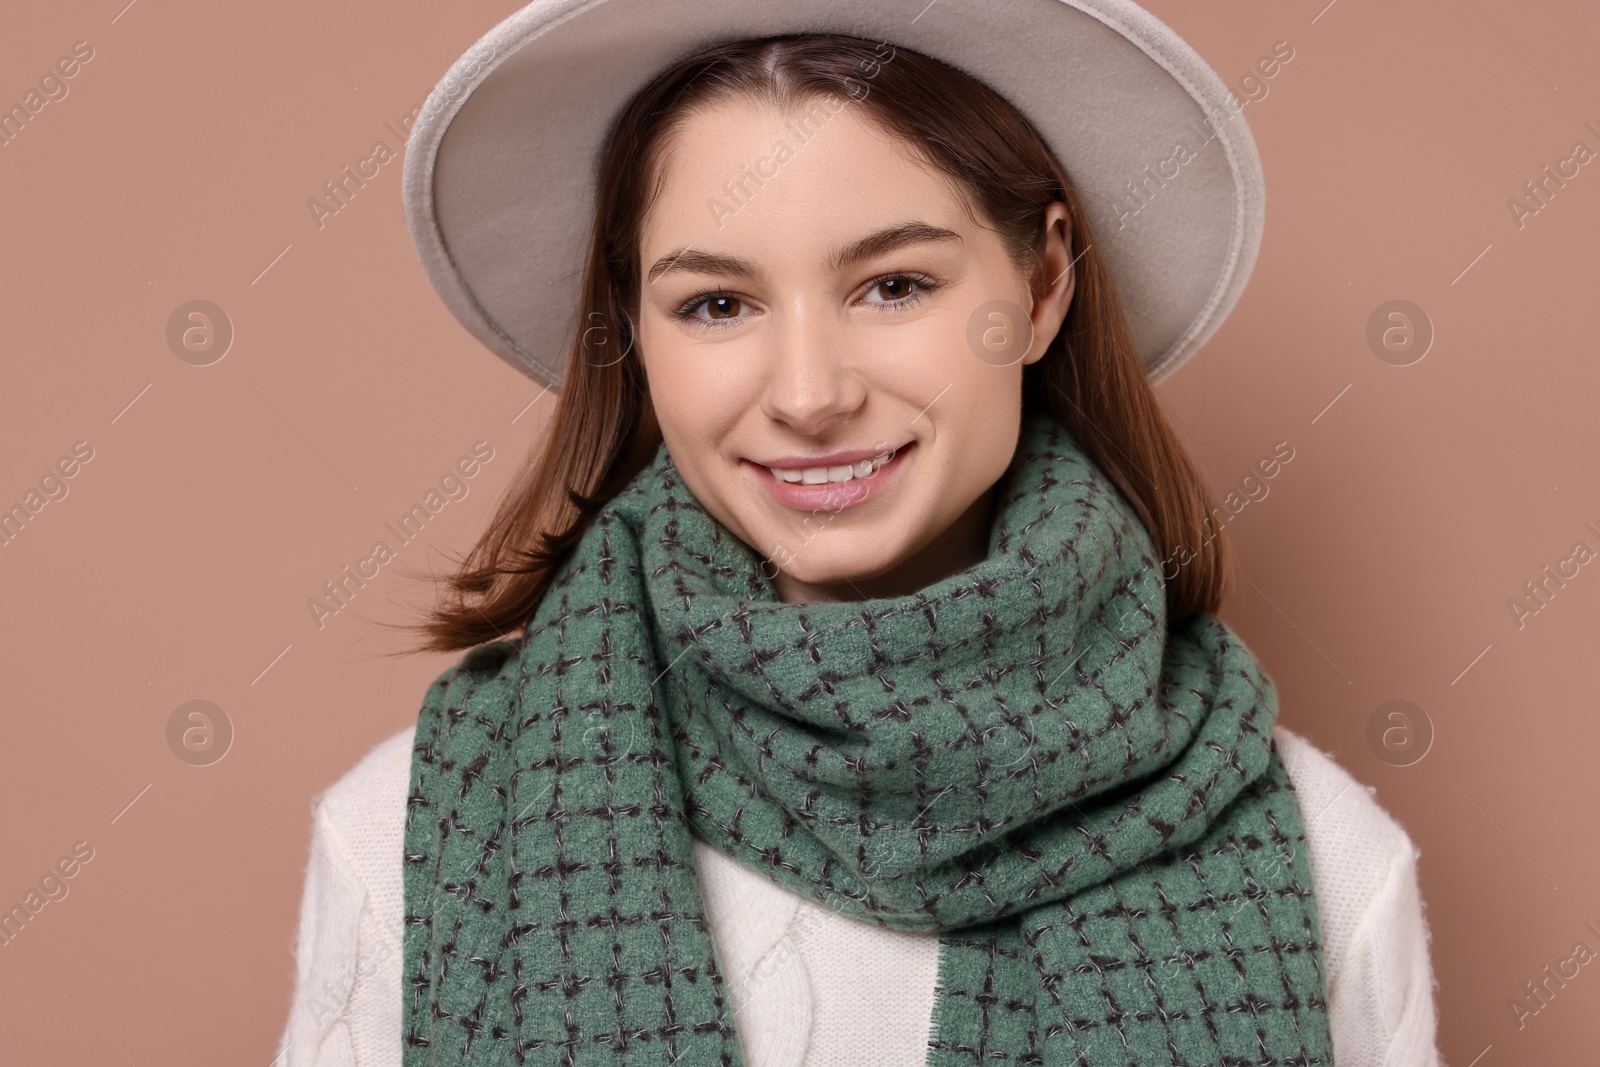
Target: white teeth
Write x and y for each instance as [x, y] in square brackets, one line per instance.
[824, 475]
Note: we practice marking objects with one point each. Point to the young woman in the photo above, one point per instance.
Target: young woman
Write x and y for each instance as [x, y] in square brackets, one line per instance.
[845, 683]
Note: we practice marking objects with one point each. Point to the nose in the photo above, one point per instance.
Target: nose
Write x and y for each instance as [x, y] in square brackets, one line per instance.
[811, 378]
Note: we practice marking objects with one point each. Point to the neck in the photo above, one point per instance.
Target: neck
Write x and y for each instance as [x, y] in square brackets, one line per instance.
[963, 543]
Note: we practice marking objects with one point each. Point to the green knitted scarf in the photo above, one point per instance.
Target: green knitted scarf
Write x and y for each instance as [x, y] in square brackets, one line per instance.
[1085, 804]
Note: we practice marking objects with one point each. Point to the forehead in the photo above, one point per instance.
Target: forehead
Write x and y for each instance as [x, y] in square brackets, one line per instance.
[742, 171]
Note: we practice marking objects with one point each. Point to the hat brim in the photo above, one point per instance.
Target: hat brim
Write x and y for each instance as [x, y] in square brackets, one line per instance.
[501, 163]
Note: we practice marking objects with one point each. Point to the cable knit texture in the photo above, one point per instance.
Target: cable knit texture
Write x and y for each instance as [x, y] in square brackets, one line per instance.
[812, 988]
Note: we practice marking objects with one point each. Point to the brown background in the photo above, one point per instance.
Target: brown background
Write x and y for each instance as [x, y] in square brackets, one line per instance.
[220, 498]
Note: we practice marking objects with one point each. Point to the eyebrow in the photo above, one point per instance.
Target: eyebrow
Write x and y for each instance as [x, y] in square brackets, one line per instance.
[873, 244]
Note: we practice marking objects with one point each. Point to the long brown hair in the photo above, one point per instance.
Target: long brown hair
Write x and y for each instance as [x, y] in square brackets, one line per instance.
[603, 430]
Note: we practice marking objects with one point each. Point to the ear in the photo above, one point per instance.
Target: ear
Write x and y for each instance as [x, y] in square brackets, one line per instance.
[1050, 304]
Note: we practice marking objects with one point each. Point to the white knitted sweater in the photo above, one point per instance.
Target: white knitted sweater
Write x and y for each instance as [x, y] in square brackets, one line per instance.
[810, 987]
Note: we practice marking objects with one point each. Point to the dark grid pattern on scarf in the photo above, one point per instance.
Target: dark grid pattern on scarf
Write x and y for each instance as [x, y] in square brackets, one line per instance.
[1131, 990]
[552, 912]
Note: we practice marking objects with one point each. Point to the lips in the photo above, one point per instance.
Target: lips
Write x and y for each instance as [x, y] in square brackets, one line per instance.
[835, 473]
[831, 496]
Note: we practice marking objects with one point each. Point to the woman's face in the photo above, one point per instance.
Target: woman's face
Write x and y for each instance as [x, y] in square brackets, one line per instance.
[846, 308]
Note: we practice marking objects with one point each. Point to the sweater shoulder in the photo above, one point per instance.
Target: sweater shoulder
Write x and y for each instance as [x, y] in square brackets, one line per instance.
[1358, 851]
[1333, 801]
[365, 811]
[376, 773]
[347, 1001]
[1376, 941]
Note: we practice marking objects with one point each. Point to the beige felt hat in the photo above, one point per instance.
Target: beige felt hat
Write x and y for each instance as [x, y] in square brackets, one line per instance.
[501, 163]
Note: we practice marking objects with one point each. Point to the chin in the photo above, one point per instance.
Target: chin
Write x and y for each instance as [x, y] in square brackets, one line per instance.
[839, 565]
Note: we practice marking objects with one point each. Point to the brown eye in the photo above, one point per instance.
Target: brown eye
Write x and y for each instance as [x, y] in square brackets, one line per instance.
[723, 307]
[896, 291]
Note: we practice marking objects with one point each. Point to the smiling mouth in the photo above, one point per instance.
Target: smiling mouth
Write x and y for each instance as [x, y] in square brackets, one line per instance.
[835, 475]
[832, 488]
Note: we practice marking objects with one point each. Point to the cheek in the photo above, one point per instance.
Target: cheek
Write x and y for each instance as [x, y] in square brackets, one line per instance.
[965, 434]
[933, 357]
[975, 424]
[697, 411]
[692, 379]
[959, 403]
[969, 393]
[982, 464]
